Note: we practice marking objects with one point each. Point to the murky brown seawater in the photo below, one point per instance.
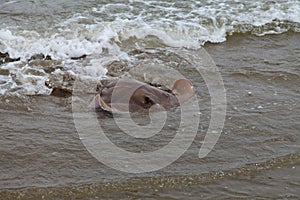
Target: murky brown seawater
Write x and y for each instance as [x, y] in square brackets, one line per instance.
[256, 156]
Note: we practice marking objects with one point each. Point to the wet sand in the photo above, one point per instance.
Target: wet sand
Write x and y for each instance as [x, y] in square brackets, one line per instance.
[257, 155]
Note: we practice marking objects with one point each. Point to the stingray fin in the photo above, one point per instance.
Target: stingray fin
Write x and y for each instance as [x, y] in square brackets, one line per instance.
[183, 89]
[99, 103]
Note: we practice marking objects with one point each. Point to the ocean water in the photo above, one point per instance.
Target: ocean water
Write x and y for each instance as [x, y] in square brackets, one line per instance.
[46, 45]
[108, 30]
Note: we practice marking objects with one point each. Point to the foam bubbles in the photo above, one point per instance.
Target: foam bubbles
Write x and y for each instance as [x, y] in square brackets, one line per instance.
[105, 32]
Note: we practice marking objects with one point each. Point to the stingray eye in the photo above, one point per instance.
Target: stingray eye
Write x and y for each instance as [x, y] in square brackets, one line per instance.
[147, 100]
[167, 95]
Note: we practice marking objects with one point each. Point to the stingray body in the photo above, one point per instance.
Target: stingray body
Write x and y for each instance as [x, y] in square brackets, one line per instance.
[129, 95]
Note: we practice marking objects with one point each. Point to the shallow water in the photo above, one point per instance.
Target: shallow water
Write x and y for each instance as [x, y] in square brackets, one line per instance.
[42, 155]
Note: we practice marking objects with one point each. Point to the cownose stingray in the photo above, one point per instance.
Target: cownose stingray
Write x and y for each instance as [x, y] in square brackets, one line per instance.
[129, 95]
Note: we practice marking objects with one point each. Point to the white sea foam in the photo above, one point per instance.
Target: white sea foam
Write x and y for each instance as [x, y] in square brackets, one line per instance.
[62, 45]
[105, 32]
[108, 25]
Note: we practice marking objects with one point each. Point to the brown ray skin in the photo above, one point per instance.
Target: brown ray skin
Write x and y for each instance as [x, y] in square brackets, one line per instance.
[143, 97]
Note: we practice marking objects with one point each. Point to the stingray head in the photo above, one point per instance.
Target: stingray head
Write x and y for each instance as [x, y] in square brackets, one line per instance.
[146, 96]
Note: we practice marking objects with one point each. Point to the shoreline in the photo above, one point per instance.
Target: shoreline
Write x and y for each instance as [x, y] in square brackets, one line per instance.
[289, 162]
